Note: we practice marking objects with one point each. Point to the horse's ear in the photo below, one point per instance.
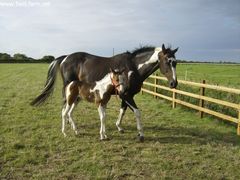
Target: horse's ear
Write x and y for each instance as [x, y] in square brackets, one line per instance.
[163, 49]
[175, 50]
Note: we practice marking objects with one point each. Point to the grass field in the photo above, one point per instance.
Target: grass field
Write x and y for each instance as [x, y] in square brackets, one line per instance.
[178, 145]
[219, 74]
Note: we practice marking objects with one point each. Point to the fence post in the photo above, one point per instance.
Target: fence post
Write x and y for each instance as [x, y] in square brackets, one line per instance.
[155, 88]
[238, 129]
[201, 101]
[173, 99]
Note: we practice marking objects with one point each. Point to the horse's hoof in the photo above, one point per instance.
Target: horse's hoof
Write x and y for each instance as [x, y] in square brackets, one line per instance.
[121, 131]
[76, 132]
[105, 139]
[141, 138]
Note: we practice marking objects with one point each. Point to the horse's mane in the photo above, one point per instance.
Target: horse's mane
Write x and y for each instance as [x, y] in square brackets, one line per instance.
[142, 49]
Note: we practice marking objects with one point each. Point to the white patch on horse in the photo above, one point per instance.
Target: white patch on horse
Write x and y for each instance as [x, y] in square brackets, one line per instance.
[102, 114]
[174, 73]
[173, 68]
[129, 74]
[138, 118]
[68, 89]
[64, 60]
[153, 58]
[102, 85]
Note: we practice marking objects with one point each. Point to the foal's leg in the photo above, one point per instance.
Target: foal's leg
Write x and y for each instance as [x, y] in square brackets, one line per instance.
[65, 110]
[102, 115]
[71, 96]
[120, 116]
[70, 119]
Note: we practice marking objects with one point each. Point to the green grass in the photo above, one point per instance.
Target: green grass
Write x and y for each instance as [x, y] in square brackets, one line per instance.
[216, 74]
[178, 145]
[219, 74]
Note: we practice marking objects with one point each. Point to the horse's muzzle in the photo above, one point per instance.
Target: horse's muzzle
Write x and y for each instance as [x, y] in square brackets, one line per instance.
[173, 84]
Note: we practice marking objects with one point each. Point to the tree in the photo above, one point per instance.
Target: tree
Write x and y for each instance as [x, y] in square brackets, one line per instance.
[19, 56]
[47, 58]
[5, 56]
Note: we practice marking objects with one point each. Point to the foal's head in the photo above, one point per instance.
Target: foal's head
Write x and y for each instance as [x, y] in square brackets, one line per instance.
[119, 80]
[168, 65]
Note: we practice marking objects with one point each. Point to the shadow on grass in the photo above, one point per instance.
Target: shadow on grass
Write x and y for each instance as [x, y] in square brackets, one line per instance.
[190, 135]
[172, 135]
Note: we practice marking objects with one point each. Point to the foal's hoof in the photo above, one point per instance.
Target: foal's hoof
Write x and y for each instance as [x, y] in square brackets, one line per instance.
[105, 139]
[121, 131]
[141, 138]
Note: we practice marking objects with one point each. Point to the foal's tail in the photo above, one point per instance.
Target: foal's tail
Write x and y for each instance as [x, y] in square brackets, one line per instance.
[49, 86]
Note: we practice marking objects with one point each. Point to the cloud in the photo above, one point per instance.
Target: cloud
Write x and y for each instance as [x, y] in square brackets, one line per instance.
[199, 28]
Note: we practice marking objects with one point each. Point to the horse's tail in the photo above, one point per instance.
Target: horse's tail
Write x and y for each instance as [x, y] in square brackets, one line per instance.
[49, 86]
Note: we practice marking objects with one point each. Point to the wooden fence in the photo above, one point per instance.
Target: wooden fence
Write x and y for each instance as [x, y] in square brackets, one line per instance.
[201, 97]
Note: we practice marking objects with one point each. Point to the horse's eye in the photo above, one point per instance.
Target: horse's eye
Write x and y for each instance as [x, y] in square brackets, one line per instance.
[168, 62]
[174, 63]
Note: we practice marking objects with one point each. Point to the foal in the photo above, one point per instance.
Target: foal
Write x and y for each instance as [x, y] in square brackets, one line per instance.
[98, 92]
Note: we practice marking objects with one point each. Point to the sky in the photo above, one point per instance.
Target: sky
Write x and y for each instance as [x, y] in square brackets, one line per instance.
[204, 30]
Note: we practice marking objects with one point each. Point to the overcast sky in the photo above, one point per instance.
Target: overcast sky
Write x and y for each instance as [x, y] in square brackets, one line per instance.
[202, 29]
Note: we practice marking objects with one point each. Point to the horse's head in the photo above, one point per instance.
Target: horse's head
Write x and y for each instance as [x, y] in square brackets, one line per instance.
[119, 80]
[168, 63]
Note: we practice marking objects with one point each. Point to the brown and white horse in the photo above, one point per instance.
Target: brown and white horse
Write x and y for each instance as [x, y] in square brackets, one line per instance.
[98, 93]
[139, 64]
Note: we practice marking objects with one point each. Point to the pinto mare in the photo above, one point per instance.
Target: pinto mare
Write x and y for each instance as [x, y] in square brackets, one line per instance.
[141, 63]
[146, 60]
[97, 78]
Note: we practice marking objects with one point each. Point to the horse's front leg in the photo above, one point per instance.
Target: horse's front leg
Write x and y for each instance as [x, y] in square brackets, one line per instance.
[132, 105]
[120, 116]
[102, 115]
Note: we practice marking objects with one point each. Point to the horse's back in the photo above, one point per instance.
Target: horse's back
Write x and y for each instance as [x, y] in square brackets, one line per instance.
[90, 68]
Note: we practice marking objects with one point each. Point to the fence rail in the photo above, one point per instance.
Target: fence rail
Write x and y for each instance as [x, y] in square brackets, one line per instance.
[201, 97]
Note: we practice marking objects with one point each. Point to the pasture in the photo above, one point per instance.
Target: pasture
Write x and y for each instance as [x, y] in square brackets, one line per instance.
[218, 74]
[178, 144]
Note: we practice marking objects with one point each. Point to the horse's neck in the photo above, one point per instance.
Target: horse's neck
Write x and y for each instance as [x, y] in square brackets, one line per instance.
[149, 70]
[146, 64]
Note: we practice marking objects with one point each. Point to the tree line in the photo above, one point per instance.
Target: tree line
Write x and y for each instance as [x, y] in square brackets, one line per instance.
[18, 57]
[22, 58]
